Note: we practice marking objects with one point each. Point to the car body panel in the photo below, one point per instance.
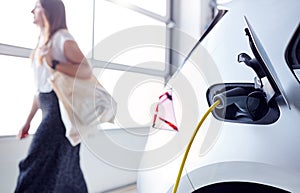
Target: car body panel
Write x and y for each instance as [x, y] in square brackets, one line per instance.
[261, 153]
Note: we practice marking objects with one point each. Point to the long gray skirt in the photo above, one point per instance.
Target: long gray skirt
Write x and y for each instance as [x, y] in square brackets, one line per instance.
[52, 164]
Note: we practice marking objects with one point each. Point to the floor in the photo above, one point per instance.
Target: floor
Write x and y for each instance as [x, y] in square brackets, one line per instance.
[126, 189]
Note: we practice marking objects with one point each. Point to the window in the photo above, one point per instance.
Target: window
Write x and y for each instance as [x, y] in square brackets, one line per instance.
[16, 23]
[91, 22]
[79, 15]
[156, 6]
[117, 34]
[17, 91]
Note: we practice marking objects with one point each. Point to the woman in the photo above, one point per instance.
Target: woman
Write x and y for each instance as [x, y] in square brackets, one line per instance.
[52, 164]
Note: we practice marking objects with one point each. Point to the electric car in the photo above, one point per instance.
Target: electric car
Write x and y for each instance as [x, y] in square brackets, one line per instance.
[249, 61]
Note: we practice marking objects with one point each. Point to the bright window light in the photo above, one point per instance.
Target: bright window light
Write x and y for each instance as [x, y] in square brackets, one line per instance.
[156, 6]
[17, 91]
[16, 23]
[17, 29]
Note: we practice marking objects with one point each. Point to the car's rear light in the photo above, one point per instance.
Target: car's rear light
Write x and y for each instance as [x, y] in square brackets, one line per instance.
[164, 115]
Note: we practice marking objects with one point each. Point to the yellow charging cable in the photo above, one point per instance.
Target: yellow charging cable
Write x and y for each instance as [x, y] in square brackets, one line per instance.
[211, 108]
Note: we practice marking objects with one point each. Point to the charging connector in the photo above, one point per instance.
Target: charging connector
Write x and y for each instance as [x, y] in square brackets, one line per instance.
[236, 96]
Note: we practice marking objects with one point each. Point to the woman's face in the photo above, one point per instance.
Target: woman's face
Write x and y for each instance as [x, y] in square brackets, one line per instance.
[39, 15]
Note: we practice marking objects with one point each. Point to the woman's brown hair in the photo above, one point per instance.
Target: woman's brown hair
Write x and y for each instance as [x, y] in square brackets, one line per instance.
[55, 20]
[56, 16]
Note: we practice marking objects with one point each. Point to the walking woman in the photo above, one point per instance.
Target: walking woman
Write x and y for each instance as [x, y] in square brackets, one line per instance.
[52, 164]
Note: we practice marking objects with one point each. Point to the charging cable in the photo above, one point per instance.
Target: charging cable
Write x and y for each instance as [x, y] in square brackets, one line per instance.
[211, 108]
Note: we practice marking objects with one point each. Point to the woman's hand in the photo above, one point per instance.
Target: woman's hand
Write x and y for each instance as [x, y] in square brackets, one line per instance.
[23, 133]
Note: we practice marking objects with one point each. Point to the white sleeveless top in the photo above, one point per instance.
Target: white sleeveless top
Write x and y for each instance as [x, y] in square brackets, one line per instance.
[41, 71]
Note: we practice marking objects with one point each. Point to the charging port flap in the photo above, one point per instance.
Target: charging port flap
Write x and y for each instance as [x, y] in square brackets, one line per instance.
[265, 65]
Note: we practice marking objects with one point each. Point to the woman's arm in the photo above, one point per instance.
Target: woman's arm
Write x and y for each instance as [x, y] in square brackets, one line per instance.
[24, 130]
[77, 64]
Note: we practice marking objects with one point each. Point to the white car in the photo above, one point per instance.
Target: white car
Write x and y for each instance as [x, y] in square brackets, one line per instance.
[249, 59]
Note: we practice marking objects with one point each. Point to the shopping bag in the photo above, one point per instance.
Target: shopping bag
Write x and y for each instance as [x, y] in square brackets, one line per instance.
[84, 104]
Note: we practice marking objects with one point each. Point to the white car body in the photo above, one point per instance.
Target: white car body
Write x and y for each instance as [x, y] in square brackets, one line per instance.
[233, 153]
